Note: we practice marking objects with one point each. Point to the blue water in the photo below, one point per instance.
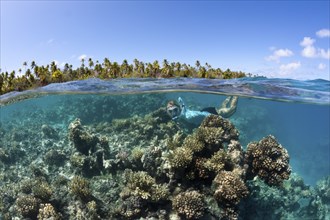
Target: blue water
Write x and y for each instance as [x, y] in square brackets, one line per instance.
[295, 112]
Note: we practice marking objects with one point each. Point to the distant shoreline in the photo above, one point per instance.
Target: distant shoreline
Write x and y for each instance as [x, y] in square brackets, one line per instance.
[35, 76]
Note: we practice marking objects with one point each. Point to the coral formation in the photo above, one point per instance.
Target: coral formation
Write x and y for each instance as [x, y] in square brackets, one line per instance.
[55, 157]
[269, 160]
[141, 185]
[42, 190]
[229, 188]
[27, 206]
[47, 211]
[214, 130]
[180, 158]
[80, 188]
[82, 140]
[145, 166]
[189, 204]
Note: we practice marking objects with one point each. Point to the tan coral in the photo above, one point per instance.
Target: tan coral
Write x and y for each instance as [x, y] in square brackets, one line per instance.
[180, 158]
[47, 211]
[229, 189]
[189, 204]
[269, 160]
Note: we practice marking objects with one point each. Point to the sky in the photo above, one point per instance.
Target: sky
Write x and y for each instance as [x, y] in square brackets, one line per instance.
[282, 39]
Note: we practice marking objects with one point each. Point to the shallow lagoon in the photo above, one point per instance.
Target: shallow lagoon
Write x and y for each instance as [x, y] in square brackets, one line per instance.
[36, 129]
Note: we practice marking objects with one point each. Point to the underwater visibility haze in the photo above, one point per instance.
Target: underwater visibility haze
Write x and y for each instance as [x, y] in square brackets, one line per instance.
[96, 149]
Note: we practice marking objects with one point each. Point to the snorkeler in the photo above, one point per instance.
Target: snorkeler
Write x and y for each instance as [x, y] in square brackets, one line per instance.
[178, 111]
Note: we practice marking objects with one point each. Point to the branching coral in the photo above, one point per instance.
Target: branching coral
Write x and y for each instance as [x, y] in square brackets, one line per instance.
[269, 160]
[193, 143]
[189, 204]
[42, 190]
[215, 129]
[218, 161]
[140, 191]
[229, 188]
[180, 158]
[27, 206]
[47, 211]
[141, 184]
[80, 188]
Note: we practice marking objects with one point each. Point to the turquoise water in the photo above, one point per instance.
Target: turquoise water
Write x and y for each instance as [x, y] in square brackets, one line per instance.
[35, 124]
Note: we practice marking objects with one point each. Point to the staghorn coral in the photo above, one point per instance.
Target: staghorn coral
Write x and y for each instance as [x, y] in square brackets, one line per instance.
[140, 193]
[193, 143]
[27, 206]
[190, 204]
[180, 158]
[141, 184]
[47, 212]
[229, 188]
[269, 160]
[42, 190]
[80, 188]
[218, 162]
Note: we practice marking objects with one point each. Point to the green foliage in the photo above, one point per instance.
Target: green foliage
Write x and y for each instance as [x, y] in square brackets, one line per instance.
[43, 75]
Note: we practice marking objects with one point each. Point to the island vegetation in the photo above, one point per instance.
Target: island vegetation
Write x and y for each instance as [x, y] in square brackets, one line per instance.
[35, 76]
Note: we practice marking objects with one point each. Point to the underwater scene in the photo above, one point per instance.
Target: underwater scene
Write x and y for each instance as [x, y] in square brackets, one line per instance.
[251, 148]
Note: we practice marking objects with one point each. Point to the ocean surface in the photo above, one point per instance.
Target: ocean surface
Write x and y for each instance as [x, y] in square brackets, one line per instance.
[32, 123]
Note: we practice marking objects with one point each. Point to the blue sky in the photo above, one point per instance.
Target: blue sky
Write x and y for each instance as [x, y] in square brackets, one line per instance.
[288, 39]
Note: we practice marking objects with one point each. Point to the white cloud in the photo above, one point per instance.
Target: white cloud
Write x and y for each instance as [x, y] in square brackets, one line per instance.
[277, 54]
[323, 33]
[290, 66]
[82, 56]
[309, 51]
[307, 41]
[321, 66]
[324, 54]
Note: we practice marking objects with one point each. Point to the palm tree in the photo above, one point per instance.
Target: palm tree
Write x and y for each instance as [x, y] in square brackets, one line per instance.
[25, 65]
[166, 70]
[155, 68]
[90, 63]
[198, 64]
[124, 68]
[33, 64]
[141, 69]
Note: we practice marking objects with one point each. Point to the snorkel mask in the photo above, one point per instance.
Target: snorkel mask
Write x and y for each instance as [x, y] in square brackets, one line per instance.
[173, 110]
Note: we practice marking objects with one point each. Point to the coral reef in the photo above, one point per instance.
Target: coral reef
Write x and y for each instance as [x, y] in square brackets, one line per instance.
[125, 163]
[229, 189]
[27, 206]
[47, 211]
[269, 160]
[139, 193]
[42, 190]
[189, 204]
[79, 187]
[82, 140]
